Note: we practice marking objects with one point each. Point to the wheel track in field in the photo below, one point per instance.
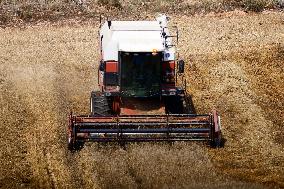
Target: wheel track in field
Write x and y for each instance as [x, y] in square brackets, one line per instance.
[53, 166]
[48, 167]
[63, 103]
[37, 156]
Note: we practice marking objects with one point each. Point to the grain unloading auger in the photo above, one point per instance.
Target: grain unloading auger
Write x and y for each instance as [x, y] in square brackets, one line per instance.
[140, 99]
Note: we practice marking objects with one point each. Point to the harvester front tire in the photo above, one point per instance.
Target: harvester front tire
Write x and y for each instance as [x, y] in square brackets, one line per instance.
[99, 104]
[174, 105]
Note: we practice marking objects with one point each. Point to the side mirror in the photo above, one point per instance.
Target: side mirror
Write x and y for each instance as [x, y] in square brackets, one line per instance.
[180, 65]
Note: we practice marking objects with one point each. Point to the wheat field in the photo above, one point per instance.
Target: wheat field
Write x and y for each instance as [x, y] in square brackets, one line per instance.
[234, 63]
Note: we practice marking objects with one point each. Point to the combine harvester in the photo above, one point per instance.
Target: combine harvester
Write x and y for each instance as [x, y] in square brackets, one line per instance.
[140, 99]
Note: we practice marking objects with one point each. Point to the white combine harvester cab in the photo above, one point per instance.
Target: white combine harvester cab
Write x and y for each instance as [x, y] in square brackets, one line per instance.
[128, 46]
[136, 36]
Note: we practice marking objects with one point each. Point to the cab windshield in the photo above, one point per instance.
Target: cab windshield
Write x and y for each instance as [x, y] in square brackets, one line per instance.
[140, 74]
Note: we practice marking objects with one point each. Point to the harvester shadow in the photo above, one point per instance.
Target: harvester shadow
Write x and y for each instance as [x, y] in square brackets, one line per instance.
[189, 108]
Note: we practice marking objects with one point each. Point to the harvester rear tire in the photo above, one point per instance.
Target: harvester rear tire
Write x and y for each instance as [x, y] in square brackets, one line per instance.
[100, 105]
